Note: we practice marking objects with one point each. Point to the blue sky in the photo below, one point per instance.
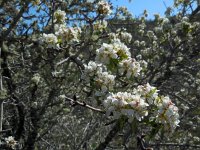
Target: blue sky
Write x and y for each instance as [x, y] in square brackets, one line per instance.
[136, 7]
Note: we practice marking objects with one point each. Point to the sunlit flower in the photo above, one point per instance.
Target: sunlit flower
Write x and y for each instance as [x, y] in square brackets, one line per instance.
[67, 34]
[95, 75]
[103, 8]
[125, 36]
[50, 40]
[130, 67]
[167, 114]
[10, 141]
[123, 103]
[149, 92]
[59, 16]
[116, 51]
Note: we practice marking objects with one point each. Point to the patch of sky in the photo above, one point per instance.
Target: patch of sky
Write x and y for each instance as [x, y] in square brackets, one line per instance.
[137, 7]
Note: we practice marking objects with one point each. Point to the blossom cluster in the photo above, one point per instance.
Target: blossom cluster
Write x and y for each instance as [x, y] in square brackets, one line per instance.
[50, 40]
[130, 67]
[10, 141]
[125, 36]
[113, 59]
[122, 35]
[103, 8]
[167, 114]
[137, 103]
[67, 34]
[36, 78]
[102, 80]
[150, 93]
[62, 34]
[128, 104]
[123, 13]
[59, 16]
[99, 26]
[118, 53]
[109, 53]
[90, 70]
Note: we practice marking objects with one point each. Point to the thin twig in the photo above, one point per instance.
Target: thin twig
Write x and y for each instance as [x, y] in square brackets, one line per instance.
[16, 19]
[83, 104]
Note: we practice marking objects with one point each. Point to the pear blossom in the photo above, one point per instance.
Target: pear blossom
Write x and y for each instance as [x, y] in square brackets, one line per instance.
[150, 33]
[102, 80]
[112, 36]
[149, 92]
[103, 8]
[10, 141]
[137, 43]
[100, 25]
[127, 104]
[129, 66]
[143, 43]
[158, 29]
[90, 70]
[36, 78]
[105, 53]
[67, 34]
[165, 21]
[59, 16]
[125, 36]
[114, 51]
[167, 114]
[50, 40]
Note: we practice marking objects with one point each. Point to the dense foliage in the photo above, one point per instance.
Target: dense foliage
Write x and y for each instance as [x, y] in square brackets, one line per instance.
[81, 74]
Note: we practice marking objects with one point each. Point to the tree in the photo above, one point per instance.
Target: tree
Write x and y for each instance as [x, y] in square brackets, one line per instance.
[71, 80]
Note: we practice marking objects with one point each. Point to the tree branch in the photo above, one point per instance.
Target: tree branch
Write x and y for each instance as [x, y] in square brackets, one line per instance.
[15, 20]
[118, 126]
[83, 104]
[195, 12]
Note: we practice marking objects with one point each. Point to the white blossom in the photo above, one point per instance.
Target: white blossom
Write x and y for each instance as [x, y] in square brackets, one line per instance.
[165, 21]
[167, 114]
[143, 43]
[100, 25]
[50, 40]
[123, 103]
[150, 33]
[130, 67]
[125, 36]
[112, 36]
[158, 29]
[67, 34]
[10, 141]
[102, 80]
[103, 8]
[114, 51]
[36, 78]
[59, 16]
[90, 70]
[149, 92]
[137, 43]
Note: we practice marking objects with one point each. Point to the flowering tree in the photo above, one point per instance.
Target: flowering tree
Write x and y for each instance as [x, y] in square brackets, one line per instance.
[71, 80]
